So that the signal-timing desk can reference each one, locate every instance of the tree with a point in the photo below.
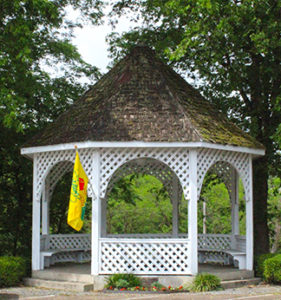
(39, 78)
(234, 47)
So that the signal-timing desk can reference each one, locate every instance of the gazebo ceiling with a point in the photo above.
(142, 99)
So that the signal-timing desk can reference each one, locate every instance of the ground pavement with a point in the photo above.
(260, 292)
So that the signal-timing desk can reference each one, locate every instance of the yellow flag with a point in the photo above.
(78, 196)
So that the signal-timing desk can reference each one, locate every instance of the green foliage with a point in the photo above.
(40, 72)
(204, 282)
(260, 260)
(145, 206)
(12, 270)
(157, 284)
(274, 213)
(231, 50)
(118, 280)
(218, 206)
(272, 269)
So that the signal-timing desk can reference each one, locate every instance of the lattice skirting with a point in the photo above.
(213, 257)
(76, 256)
(139, 257)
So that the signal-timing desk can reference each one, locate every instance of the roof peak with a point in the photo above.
(142, 99)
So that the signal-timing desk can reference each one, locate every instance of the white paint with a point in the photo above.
(35, 221)
(234, 198)
(96, 213)
(175, 202)
(192, 213)
(45, 209)
(139, 144)
(249, 222)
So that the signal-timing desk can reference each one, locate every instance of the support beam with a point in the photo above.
(45, 208)
(103, 216)
(192, 213)
(249, 220)
(96, 213)
(35, 219)
(175, 202)
(234, 198)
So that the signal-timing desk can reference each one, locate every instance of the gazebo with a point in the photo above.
(143, 117)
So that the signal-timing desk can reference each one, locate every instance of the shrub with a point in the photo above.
(260, 263)
(121, 283)
(205, 282)
(12, 270)
(157, 284)
(131, 280)
(272, 269)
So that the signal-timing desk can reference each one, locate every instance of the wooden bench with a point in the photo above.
(77, 251)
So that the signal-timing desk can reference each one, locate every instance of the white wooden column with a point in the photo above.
(45, 208)
(96, 213)
(192, 213)
(175, 202)
(249, 220)
(103, 216)
(35, 218)
(234, 198)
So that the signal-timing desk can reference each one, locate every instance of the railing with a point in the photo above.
(144, 256)
(66, 241)
(240, 241)
(214, 241)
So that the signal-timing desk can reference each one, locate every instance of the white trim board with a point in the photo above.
(138, 144)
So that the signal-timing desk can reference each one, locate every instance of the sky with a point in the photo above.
(91, 44)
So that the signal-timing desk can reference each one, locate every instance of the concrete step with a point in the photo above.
(59, 285)
(233, 274)
(62, 276)
(229, 284)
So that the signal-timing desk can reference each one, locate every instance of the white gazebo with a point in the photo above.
(142, 117)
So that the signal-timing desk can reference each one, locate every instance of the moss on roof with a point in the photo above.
(142, 99)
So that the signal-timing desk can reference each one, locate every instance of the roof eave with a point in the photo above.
(30, 151)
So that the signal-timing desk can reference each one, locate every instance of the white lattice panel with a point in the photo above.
(69, 241)
(225, 172)
(206, 158)
(144, 257)
(47, 161)
(146, 166)
(176, 158)
(214, 241)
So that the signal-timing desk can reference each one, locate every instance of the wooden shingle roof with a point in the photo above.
(142, 99)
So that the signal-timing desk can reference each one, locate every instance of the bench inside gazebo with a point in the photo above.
(142, 117)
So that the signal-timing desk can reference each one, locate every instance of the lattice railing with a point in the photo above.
(214, 241)
(67, 241)
(156, 256)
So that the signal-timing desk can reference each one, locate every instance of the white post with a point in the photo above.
(175, 202)
(45, 208)
(234, 198)
(35, 219)
(103, 216)
(192, 213)
(204, 217)
(249, 220)
(96, 213)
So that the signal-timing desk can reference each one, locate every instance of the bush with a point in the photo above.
(260, 263)
(157, 284)
(272, 269)
(129, 279)
(12, 270)
(205, 282)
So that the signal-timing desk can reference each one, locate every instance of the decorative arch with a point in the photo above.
(240, 162)
(177, 159)
(148, 166)
(46, 164)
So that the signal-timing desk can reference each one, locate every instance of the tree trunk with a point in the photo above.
(260, 192)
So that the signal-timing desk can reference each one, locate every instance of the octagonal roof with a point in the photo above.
(142, 99)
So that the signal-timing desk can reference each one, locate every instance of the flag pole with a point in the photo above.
(94, 195)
